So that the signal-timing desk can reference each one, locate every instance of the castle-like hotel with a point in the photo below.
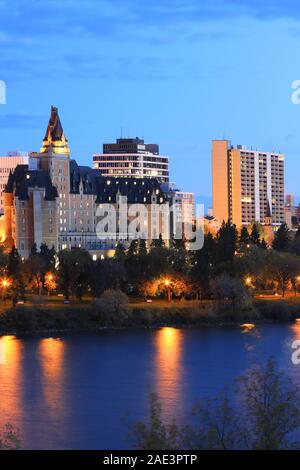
(55, 201)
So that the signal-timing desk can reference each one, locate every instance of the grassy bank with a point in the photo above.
(90, 317)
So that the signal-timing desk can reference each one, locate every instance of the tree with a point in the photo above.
(178, 256)
(263, 244)
(254, 235)
(270, 412)
(15, 273)
(200, 270)
(158, 242)
(244, 236)
(282, 268)
(75, 270)
(120, 253)
(217, 425)
(9, 438)
(179, 286)
(224, 287)
(113, 307)
(266, 417)
(156, 434)
(281, 238)
(108, 273)
(226, 242)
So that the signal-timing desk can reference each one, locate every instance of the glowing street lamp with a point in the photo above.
(50, 282)
(5, 282)
(248, 281)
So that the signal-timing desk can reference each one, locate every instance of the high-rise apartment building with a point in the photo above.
(7, 165)
(132, 158)
(245, 182)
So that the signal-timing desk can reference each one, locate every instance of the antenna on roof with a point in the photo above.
(121, 132)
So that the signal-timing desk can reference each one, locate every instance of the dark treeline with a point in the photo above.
(230, 266)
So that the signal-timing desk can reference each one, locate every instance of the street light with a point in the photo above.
(5, 283)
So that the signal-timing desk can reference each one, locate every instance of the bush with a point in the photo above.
(276, 310)
(113, 308)
(9, 438)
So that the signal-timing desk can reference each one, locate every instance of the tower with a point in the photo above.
(268, 230)
(54, 158)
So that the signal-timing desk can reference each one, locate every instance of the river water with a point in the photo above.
(82, 391)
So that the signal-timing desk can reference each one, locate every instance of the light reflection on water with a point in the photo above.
(74, 391)
(168, 361)
(51, 357)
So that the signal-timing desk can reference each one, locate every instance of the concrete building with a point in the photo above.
(244, 182)
(7, 164)
(183, 207)
(132, 158)
(54, 200)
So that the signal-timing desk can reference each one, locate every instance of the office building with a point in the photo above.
(132, 158)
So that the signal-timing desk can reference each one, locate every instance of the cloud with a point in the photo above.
(130, 19)
(55, 39)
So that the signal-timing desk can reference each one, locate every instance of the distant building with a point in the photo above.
(291, 212)
(244, 182)
(290, 201)
(7, 164)
(132, 158)
(211, 224)
(183, 207)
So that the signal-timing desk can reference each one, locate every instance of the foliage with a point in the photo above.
(281, 240)
(225, 287)
(156, 434)
(74, 271)
(9, 438)
(266, 417)
(113, 308)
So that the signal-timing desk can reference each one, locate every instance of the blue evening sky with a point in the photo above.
(176, 72)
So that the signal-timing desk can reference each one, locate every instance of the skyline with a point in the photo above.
(157, 71)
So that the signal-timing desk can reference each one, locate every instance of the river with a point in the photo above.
(82, 391)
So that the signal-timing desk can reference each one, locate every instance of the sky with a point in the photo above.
(174, 72)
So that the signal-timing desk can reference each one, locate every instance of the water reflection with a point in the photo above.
(51, 357)
(168, 363)
(296, 329)
(11, 380)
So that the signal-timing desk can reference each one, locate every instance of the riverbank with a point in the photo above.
(89, 317)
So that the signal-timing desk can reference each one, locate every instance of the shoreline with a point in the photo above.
(260, 322)
(44, 319)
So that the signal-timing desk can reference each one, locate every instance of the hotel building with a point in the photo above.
(132, 158)
(54, 200)
(245, 183)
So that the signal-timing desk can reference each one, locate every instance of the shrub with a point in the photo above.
(9, 438)
(113, 308)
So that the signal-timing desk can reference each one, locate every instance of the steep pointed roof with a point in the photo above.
(55, 137)
(268, 210)
(54, 130)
